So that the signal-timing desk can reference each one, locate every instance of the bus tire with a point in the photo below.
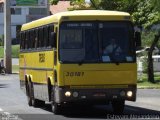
(118, 106)
(28, 92)
(49, 90)
(38, 103)
(56, 108)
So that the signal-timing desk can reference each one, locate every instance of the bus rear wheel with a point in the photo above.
(118, 106)
(28, 92)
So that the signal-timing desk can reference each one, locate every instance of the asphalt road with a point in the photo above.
(13, 105)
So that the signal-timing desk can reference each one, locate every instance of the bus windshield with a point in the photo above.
(96, 42)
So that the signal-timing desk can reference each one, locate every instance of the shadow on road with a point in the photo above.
(106, 112)
(3, 85)
(103, 112)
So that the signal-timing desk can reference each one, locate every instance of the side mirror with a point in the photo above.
(138, 39)
(53, 40)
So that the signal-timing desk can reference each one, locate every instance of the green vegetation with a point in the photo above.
(15, 69)
(27, 2)
(1, 40)
(15, 51)
(144, 83)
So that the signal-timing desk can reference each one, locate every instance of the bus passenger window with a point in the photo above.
(45, 36)
(36, 39)
(22, 40)
(32, 38)
(26, 39)
(39, 38)
(29, 39)
(42, 37)
(50, 31)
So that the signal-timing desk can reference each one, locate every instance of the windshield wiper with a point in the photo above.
(112, 57)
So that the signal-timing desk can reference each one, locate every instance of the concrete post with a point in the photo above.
(7, 37)
(48, 8)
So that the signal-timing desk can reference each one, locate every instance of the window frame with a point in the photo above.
(43, 35)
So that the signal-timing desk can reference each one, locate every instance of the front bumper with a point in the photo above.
(94, 94)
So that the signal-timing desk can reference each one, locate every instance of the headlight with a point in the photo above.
(129, 93)
(67, 93)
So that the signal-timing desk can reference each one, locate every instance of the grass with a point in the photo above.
(144, 83)
(15, 54)
(15, 68)
(15, 51)
(27, 2)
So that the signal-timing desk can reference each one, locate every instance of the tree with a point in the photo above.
(146, 15)
(150, 59)
(156, 4)
(53, 2)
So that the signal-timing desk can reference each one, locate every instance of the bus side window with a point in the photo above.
(51, 29)
(26, 37)
(47, 36)
(45, 29)
(32, 37)
(21, 40)
(29, 39)
(36, 39)
(41, 37)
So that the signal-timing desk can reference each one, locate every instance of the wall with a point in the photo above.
(21, 15)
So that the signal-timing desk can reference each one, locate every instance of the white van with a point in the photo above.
(156, 63)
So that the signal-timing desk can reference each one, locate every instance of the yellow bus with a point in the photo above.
(62, 59)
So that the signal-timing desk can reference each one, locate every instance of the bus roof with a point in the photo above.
(78, 15)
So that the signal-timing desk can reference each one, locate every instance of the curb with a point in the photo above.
(147, 87)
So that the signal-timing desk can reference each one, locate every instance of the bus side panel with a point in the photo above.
(39, 67)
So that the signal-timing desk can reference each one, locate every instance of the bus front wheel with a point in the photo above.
(118, 106)
(56, 108)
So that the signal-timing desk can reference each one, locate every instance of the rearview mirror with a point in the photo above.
(138, 39)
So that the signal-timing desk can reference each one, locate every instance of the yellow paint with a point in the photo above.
(98, 74)
(31, 61)
(82, 15)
